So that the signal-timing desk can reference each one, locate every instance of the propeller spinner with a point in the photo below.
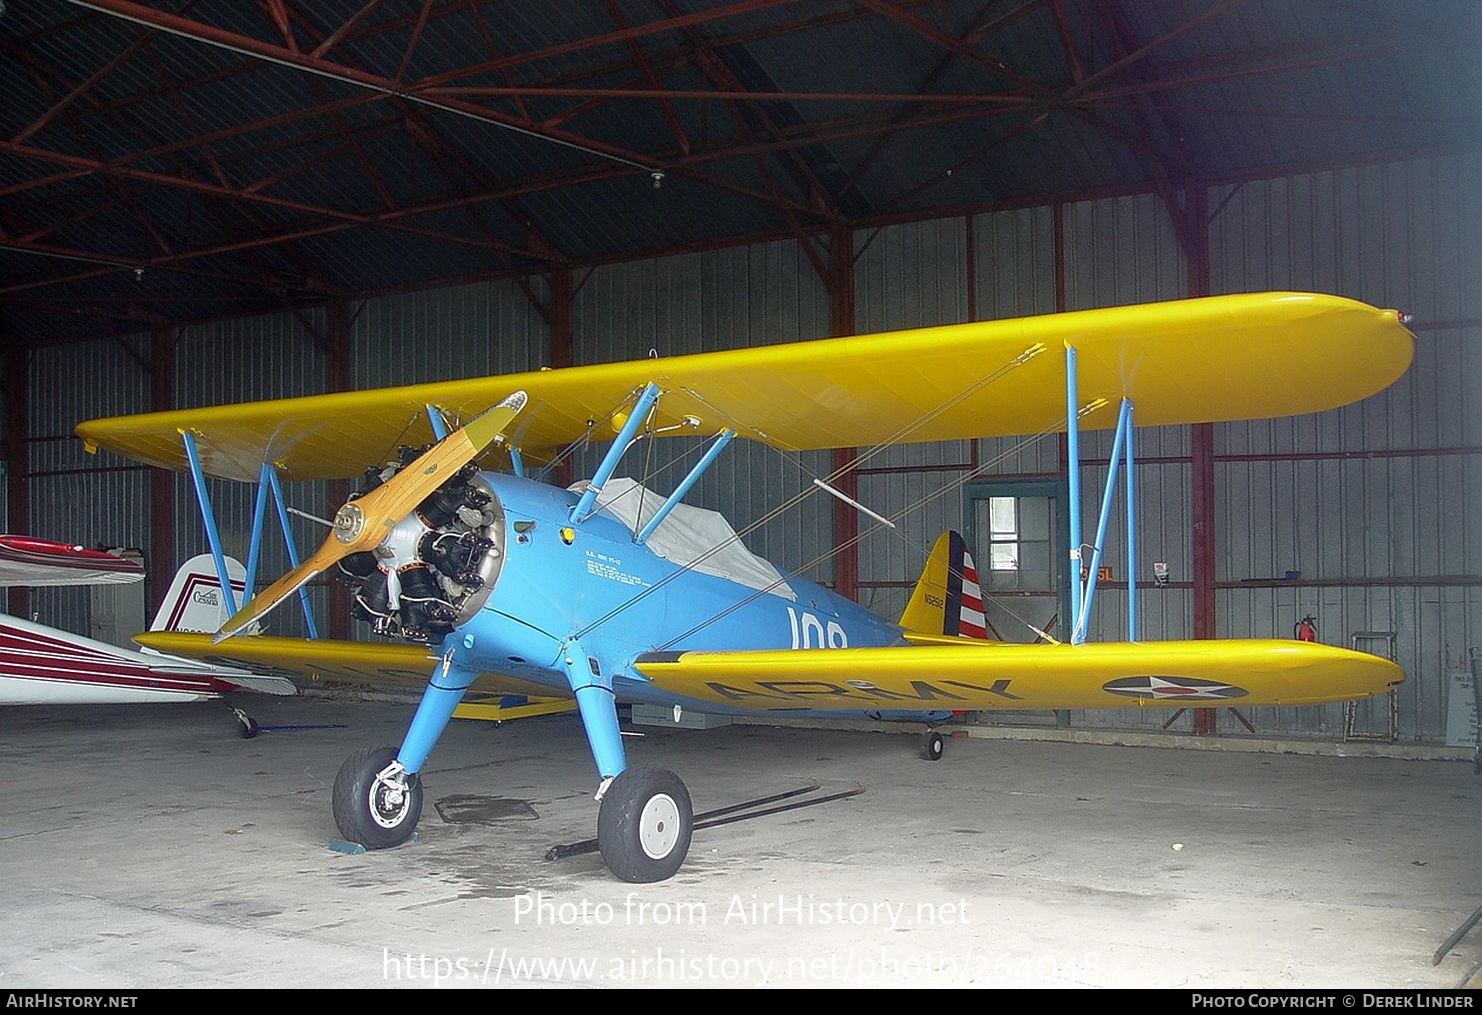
(364, 523)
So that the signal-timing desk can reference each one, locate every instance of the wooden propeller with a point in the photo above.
(362, 524)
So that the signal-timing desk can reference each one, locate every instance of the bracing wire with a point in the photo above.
(894, 438)
(915, 505)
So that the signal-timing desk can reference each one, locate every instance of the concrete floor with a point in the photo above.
(150, 846)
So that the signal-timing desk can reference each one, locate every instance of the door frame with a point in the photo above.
(1055, 488)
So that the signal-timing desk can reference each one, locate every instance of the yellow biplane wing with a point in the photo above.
(1190, 361)
(973, 675)
(384, 664)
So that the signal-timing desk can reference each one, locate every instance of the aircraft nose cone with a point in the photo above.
(348, 522)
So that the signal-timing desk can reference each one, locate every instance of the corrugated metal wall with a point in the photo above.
(439, 334)
(912, 275)
(1395, 536)
(1392, 530)
(67, 502)
(238, 360)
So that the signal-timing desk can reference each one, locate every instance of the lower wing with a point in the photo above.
(341, 662)
(973, 674)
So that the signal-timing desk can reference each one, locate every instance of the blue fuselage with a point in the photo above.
(619, 599)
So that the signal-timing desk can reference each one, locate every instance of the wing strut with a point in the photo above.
(1083, 589)
(208, 518)
(636, 418)
(711, 454)
(268, 486)
(290, 547)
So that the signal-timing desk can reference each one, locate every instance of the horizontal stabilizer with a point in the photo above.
(36, 562)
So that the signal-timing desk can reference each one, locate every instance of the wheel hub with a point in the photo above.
(658, 826)
(390, 797)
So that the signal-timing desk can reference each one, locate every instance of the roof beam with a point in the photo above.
(715, 69)
(346, 34)
(636, 52)
(595, 41)
(1306, 56)
(976, 32)
(220, 38)
(210, 137)
(953, 44)
(961, 164)
(333, 38)
(1142, 51)
(111, 263)
(441, 149)
(40, 69)
(387, 220)
(77, 93)
(1181, 211)
(406, 59)
(1067, 41)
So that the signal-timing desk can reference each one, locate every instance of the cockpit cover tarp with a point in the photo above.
(689, 534)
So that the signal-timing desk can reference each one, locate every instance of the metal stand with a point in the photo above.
(1456, 936)
(1476, 657)
(1471, 921)
(1359, 643)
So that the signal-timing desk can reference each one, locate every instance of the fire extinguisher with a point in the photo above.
(1305, 629)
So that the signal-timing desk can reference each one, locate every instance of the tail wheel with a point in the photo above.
(249, 727)
(932, 746)
(644, 825)
(373, 806)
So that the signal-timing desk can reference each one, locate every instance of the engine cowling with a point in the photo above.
(436, 568)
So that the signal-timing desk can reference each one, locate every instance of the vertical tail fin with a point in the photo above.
(194, 602)
(947, 599)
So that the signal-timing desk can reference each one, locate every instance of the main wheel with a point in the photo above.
(377, 813)
(932, 746)
(644, 825)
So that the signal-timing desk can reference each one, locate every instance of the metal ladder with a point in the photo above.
(1360, 643)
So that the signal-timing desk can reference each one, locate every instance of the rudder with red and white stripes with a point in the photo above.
(971, 621)
(947, 598)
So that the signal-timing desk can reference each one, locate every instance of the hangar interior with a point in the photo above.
(226, 203)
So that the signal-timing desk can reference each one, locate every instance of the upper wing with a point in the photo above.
(995, 675)
(1219, 358)
(35, 562)
(346, 662)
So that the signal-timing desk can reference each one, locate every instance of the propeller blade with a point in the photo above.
(363, 523)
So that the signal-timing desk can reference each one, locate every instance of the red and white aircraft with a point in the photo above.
(41, 665)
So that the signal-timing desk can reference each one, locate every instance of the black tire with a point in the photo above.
(644, 825)
(932, 746)
(362, 810)
(249, 726)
